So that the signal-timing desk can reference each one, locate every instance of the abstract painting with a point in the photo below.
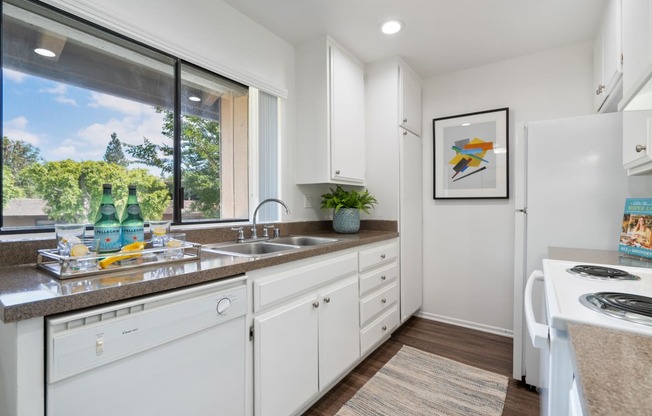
(471, 155)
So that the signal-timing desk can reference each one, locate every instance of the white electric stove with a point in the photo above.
(565, 289)
(575, 293)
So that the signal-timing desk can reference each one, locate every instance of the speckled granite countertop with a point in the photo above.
(614, 370)
(27, 292)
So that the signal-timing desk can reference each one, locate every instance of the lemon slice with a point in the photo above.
(174, 243)
(159, 231)
(79, 250)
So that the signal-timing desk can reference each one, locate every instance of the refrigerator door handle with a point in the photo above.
(538, 332)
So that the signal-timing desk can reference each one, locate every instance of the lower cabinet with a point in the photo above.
(302, 346)
(314, 319)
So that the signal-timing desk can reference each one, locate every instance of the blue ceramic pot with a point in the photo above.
(346, 221)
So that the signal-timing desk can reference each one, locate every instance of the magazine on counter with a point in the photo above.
(636, 232)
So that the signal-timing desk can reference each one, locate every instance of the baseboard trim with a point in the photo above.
(466, 324)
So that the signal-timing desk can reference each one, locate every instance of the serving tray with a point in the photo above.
(66, 267)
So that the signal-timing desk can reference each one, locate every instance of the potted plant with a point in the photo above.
(347, 206)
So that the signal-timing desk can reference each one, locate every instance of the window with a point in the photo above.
(82, 107)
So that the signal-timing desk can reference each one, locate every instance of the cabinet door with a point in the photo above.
(607, 54)
(410, 225)
(636, 141)
(636, 41)
(286, 357)
(339, 332)
(409, 101)
(347, 131)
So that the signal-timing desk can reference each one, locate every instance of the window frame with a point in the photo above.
(177, 192)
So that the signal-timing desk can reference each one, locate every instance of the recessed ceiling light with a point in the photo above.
(45, 52)
(195, 99)
(391, 27)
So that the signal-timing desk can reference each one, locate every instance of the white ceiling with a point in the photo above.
(440, 35)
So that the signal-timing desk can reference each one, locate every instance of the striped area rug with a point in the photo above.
(414, 382)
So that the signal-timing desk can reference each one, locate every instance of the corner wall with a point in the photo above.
(469, 244)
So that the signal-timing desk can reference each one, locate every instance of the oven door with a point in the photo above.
(556, 365)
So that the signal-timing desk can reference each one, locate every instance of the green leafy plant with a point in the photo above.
(340, 198)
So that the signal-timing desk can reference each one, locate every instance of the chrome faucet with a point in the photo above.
(254, 233)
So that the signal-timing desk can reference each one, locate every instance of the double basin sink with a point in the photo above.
(267, 248)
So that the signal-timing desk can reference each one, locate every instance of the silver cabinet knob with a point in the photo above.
(600, 89)
(383, 300)
(404, 133)
(382, 256)
(640, 148)
(383, 277)
(327, 299)
(337, 172)
(384, 328)
(315, 304)
(405, 120)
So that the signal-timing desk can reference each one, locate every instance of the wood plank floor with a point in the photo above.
(479, 349)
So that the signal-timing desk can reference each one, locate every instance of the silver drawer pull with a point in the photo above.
(384, 328)
(640, 148)
(382, 256)
(327, 299)
(383, 300)
(316, 304)
(383, 277)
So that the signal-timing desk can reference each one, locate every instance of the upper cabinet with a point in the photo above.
(608, 60)
(637, 70)
(409, 100)
(637, 44)
(330, 115)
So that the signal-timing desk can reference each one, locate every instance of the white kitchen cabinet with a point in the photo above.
(637, 149)
(409, 95)
(395, 176)
(303, 341)
(636, 44)
(330, 143)
(607, 59)
(379, 294)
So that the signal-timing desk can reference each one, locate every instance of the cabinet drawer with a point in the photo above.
(374, 279)
(378, 330)
(375, 303)
(279, 286)
(376, 256)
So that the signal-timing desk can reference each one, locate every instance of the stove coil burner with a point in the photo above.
(601, 272)
(627, 306)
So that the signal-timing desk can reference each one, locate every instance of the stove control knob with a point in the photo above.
(223, 305)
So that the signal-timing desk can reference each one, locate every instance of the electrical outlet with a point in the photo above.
(307, 201)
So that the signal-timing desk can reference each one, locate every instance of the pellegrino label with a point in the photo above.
(108, 210)
(109, 238)
(132, 234)
(133, 209)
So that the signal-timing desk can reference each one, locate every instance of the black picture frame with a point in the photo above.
(471, 155)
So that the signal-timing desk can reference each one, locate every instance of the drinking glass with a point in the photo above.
(69, 236)
(160, 232)
(175, 244)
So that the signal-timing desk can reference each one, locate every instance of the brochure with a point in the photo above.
(636, 232)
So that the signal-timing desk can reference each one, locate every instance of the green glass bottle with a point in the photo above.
(132, 223)
(107, 224)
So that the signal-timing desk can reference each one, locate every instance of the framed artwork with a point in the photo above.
(471, 155)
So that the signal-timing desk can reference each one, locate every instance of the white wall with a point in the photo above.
(469, 244)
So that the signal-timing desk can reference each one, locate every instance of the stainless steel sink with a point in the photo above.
(303, 240)
(267, 248)
(255, 249)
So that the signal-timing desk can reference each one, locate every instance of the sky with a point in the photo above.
(67, 122)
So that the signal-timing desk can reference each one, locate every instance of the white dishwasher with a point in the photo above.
(177, 353)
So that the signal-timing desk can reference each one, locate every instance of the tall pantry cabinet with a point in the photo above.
(394, 166)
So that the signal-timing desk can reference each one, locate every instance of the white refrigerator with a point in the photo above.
(570, 190)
